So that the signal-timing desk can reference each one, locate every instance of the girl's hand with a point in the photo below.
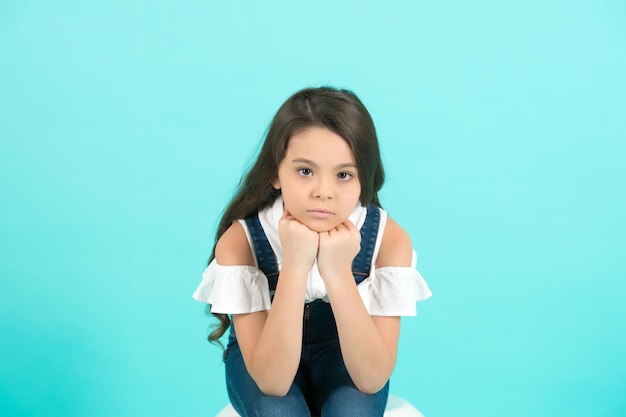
(337, 249)
(300, 244)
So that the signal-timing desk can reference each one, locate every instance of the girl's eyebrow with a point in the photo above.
(313, 164)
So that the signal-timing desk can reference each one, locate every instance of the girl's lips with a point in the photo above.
(320, 213)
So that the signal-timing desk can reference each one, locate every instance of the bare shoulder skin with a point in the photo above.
(396, 248)
(233, 247)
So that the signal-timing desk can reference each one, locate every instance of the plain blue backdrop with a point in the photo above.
(125, 126)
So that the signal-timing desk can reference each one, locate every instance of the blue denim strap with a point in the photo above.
(363, 261)
(263, 250)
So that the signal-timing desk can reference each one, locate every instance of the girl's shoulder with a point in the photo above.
(396, 248)
(233, 248)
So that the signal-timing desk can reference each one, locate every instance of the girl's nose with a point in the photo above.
(323, 189)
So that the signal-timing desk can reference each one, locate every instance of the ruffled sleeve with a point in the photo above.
(393, 291)
(233, 289)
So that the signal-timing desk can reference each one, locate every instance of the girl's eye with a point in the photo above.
(344, 176)
(305, 171)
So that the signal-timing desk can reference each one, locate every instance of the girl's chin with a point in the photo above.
(320, 229)
(319, 226)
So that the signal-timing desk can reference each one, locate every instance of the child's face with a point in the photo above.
(318, 179)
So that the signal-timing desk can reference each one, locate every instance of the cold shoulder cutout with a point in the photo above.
(396, 248)
(233, 248)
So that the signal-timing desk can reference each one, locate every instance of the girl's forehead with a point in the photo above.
(319, 143)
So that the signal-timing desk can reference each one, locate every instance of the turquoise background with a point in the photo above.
(126, 125)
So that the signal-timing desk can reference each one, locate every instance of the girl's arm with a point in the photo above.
(368, 343)
(270, 341)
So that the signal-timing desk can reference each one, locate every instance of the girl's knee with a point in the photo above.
(349, 401)
(268, 406)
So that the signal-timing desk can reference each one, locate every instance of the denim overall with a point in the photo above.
(322, 385)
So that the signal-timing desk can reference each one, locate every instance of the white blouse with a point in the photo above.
(388, 291)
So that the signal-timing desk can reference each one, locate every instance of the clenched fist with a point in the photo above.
(300, 244)
(337, 249)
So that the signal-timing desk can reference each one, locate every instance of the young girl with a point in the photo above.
(313, 272)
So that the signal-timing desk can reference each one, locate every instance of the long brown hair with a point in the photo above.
(338, 110)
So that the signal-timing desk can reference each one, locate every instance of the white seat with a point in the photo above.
(396, 407)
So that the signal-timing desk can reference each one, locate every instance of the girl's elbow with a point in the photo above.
(372, 382)
(272, 387)
(273, 390)
(274, 381)
(370, 387)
